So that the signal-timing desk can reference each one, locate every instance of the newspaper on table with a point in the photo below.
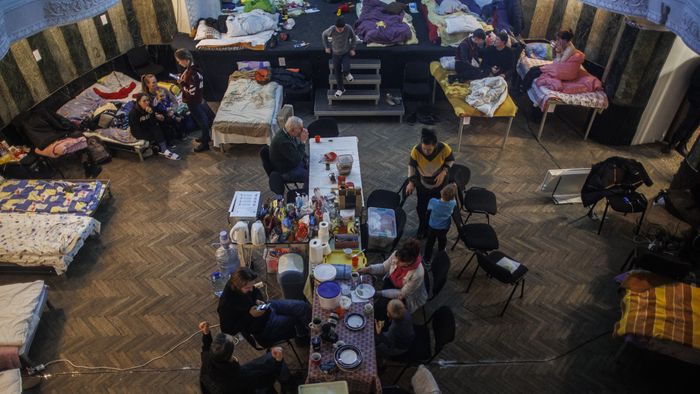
(509, 264)
(244, 204)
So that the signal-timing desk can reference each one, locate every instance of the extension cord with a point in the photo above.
(33, 370)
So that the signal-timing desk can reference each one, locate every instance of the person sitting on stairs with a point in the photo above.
(341, 47)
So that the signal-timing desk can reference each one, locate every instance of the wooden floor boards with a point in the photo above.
(143, 286)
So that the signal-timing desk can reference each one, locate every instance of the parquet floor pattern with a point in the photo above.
(143, 286)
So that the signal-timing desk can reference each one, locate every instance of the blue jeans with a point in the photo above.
(200, 117)
(286, 316)
(341, 68)
(299, 174)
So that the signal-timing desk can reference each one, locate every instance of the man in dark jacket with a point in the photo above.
(685, 130)
(467, 63)
(498, 58)
(222, 374)
(288, 151)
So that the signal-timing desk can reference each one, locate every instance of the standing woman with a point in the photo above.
(428, 167)
(143, 123)
(192, 83)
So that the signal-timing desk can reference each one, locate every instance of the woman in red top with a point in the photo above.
(192, 84)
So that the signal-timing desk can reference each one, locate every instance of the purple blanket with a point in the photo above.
(376, 26)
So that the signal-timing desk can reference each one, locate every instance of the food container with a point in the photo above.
(344, 164)
(381, 228)
(328, 295)
(324, 273)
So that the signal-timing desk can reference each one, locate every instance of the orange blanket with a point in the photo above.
(670, 312)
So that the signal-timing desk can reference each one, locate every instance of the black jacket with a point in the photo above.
(234, 312)
(42, 128)
(140, 121)
(230, 377)
(614, 175)
(286, 152)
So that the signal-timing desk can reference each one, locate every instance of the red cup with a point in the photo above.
(317, 138)
(316, 358)
(355, 262)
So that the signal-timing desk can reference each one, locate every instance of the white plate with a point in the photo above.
(348, 357)
(324, 272)
(356, 321)
(365, 291)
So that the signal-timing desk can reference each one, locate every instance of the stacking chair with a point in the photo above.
(493, 270)
(438, 273)
(381, 198)
(257, 345)
(630, 202)
(443, 322)
(479, 200)
(324, 127)
(265, 159)
(277, 184)
(460, 175)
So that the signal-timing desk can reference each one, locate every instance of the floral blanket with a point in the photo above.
(39, 196)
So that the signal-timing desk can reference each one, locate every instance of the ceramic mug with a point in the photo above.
(314, 328)
(316, 358)
(368, 308)
(338, 344)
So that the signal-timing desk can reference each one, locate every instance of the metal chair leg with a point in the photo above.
(466, 265)
(639, 225)
(509, 298)
(605, 213)
(522, 288)
(472, 280)
(467, 219)
(488, 219)
(628, 259)
(291, 345)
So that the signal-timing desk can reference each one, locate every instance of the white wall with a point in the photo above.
(188, 11)
(668, 94)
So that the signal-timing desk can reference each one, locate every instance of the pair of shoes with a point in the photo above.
(170, 155)
(390, 100)
(148, 152)
(349, 77)
(411, 119)
(201, 147)
(339, 92)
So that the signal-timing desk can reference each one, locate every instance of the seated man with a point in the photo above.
(238, 312)
(498, 59)
(467, 58)
(395, 339)
(221, 372)
(288, 151)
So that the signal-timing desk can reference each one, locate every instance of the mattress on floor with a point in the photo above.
(50, 196)
(18, 303)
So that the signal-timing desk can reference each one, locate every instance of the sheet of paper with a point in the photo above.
(510, 265)
(245, 204)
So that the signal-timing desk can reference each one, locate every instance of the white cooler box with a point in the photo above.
(381, 228)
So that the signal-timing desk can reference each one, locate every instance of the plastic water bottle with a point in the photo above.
(217, 283)
(226, 256)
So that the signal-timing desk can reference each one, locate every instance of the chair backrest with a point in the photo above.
(402, 192)
(460, 175)
(265, 159)
(325, 127)
(400, 224)
(138, 57)
(492, 269)
(439, 268)
(292, 285)
(276, 183)
(443, 328)
(457, 218)
(383, 199)
(416, 72)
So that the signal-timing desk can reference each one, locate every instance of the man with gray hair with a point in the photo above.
(288, 151)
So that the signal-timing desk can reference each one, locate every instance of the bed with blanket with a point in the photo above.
(248, 111)
(11, 381)
(22, 305)
(384, 24)
(116, 88)
(248, 30)
(43, 240)
(562, 84)
(51, 196)
(450, 29)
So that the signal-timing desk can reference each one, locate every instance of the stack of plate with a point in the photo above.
(355, 321)
(348, 358)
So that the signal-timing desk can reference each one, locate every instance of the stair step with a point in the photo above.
(361, 64)
(359, 79)
(356, 95)
(357, 108)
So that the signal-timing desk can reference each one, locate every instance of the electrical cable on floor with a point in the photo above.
(551, 156)
(451, 363)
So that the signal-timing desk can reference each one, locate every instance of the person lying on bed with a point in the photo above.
(192, 83)
(562, 47)
(143, 123)
(341, 47)
(163, 102)
(467, 62)
(498, 59)
(288, 151)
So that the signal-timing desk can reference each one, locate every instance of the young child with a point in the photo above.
(440, 216)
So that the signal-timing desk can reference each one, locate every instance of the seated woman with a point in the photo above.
(143, 123)
(164, 103)
(562, 47)
(404, 279)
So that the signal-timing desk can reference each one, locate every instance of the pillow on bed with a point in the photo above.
(447, 62)
(565, 71)
(205, 32)
(249, 65)
(394, 8)
(539, 50)
(461, 24)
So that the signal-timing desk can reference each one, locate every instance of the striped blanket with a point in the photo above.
(670, 312)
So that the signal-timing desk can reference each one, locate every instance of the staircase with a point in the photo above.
(363, 95)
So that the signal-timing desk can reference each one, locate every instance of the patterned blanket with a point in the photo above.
(670, 312)
(39, 196)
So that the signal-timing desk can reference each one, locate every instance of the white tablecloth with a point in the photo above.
(319, 176)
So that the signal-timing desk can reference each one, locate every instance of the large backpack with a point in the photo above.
(97, 151)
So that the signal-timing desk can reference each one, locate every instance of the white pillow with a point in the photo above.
(447, 62)
(206, 32)
(461, 24)
(450, 6)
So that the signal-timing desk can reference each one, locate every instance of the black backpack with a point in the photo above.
(97, 152)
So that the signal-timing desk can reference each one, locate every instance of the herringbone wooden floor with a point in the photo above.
(143, 286)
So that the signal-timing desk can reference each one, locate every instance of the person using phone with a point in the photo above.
(192, 83)
(222, 373)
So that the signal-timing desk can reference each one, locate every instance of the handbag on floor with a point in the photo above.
(97, 152)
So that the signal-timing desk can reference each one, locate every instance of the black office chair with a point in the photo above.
(630, 202)
(258, 345)
(477, 237)
(443, 322)
(489, 264)
(275, 181)
(460, 175)
(438, 273)
(141, 62)
(324, 127)
(479, 200)
(416, 81)
(265, 159)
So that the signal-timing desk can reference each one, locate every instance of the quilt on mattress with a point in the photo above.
(30, 239)
(17, 303)
(437, 26)
(541, 97)
(41, 196)
(375, 26)
(11, 381)
(247, 107)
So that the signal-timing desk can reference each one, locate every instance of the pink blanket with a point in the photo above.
(583, 83)
(9, 358)
(567, 70)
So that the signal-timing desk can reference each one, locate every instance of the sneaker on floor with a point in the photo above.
(339, 92)
(148, 152)
(349, 77)
(170, 155)
(397, 99)
(201, 147)
(390, 100)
